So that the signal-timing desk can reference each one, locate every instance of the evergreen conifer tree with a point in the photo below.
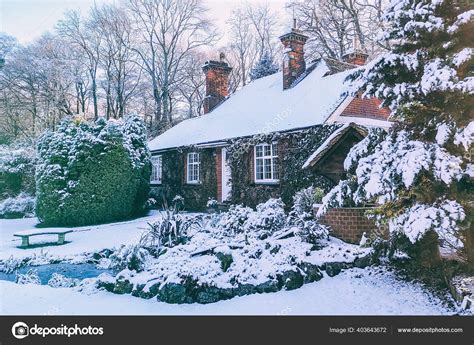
(421, 174)
(264, 67)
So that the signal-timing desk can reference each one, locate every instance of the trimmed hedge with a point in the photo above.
(92, 173)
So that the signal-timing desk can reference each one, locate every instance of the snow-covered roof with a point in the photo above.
(262, 106)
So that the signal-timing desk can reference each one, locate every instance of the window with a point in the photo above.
(266, 163)
(193, 167)
(156, 169)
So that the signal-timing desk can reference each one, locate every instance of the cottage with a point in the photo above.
(253, 144)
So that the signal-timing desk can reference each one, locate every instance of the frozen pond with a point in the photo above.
(80, 271)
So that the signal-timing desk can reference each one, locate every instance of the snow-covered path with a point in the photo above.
(371, 291)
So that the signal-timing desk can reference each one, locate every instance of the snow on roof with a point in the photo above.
(262, 106)
(366, 122)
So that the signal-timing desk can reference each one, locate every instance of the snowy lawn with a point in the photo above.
(87, 239)
(354, 291)
(370, 291)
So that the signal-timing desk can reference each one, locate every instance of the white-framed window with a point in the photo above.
(193, 165)
(266, 163)
(156, 169)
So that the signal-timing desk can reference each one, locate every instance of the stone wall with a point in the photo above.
(349, 223)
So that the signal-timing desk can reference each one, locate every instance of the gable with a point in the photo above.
(366, 108)
(328, 159)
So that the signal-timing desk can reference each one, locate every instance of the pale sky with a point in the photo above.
(28, 19)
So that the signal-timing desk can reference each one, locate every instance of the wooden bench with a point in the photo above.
(25, 235)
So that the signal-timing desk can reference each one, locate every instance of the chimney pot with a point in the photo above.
(356, 56)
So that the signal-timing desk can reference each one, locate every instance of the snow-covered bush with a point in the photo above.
(304, 199)
(59, 281)
(269, 217)
(178, 202)
(30, 277)
(232, 221)
(11, 264)
(308, 229)
(171, 228)
(20, 206)
(150, 203)
(212, 204)
(92, 173)
(17, 170)
(132, 257)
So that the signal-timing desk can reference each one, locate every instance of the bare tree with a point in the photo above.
(121, 75)
(168, 31)
(37, 86)
(191, 88)
(252, 31)
(333, 25)
(81, 33)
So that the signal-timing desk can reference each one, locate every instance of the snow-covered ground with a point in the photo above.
(371, 291)
(356, 291)
(85, 239)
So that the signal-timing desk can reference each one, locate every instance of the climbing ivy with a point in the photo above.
(294, 150)
(174, 179)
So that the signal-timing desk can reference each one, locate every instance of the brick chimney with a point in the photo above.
(356, 56)
(293, 59)
(217, 82)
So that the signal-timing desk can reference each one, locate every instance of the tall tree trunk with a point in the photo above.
(94, 96)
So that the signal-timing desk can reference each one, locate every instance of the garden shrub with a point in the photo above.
(170, 229)
(20, 206)
(232, 221)
(304, 199)
(17, 170)
(91, 173)
(30, 277)
(132, 257)
(57, 280)
(268, 218)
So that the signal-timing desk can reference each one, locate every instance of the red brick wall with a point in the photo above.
(349, 223)
(367, 108)
(219, 174)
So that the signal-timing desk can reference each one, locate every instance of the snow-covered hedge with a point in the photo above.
(20, 206)
(90, 173)
(17, 170)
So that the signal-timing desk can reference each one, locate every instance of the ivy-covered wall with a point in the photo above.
(174, 179)
(294, 149)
